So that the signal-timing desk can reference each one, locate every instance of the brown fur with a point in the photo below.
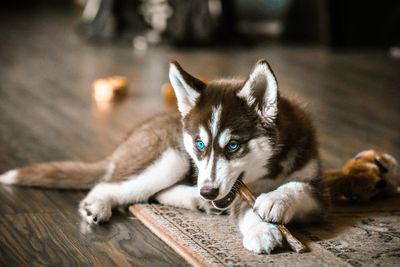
(295, 132)
(360, 178)
(62, 175)
(159, 132)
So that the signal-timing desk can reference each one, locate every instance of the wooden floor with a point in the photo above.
(46, 113)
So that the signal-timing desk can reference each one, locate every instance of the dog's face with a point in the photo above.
(228, 126)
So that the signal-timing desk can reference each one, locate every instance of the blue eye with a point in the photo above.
(232, 146)
(200, 145)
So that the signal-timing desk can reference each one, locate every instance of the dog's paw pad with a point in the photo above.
(262, 238)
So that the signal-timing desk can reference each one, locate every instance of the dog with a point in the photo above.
(225, 130)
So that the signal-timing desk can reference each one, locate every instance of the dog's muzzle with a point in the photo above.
(226, 201)
(209, 192)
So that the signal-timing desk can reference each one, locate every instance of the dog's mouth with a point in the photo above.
(227, 200)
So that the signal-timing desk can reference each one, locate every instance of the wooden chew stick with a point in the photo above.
(293, 242)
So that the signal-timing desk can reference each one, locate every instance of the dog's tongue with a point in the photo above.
(225, 202)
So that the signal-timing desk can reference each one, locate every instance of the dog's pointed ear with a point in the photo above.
(261, 91)
(187, 88)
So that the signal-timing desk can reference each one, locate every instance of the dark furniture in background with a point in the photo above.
(332, 23)
(344, 24)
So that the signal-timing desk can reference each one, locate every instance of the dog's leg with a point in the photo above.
(170, 168)
(187, 197)
(181, 196)
(291, 201)
(258, 236)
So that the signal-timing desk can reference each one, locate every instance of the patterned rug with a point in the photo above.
(354, 236)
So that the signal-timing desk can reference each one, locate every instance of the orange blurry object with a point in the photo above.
(109, 88)
(169, 94)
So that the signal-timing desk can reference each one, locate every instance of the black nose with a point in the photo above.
(208, 192)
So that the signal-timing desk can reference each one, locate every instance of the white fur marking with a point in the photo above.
(159, 175)
(224, 138)
(205, 167)
(181, 196)
(254, 162)
(9, 177)
(210, 163)
(215, 119)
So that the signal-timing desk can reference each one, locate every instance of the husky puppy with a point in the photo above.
(226, 130)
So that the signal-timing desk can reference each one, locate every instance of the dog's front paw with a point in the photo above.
(275, 206)
(262, 238)
(95, 211)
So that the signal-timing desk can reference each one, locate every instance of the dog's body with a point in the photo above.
(226, 130)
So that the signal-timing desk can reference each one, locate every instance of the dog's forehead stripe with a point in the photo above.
(215, 120)
(211, 166)
(224, 138)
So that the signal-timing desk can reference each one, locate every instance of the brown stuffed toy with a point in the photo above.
(369, 174)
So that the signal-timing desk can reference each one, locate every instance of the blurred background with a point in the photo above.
(332, 23)
(335, 24)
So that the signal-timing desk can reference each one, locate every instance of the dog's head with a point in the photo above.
(228, 126)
